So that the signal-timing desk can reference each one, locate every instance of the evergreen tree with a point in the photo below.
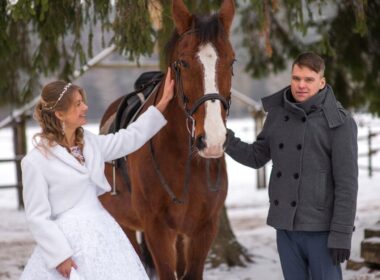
(44, 38)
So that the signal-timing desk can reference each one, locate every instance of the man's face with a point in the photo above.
(305, 83)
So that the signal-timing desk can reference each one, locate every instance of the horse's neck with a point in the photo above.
(175, 133)
(176, 118)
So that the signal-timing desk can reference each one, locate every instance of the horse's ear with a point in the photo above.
(181, 15)
(226, 13)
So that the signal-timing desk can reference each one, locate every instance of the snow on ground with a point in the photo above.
(247, 210)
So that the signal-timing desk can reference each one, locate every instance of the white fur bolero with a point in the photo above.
(54, 181)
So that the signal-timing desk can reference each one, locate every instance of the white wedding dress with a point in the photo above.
(102, 251)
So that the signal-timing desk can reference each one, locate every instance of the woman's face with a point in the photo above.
(76, 115)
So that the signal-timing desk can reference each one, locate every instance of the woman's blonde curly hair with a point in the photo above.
(55, 96)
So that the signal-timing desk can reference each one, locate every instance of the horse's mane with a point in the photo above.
(208, 29)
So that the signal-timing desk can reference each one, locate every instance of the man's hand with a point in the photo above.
(64, 268)
(339, 255)
(168, 92)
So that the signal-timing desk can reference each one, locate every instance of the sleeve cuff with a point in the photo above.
(342, 228)
(341, 240)
(157, 114)
(54, 262)
(230, 137)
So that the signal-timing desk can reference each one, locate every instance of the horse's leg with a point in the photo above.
(146, 258)
(197, 248)
(181, 262)
(161, 243)
(131, 234)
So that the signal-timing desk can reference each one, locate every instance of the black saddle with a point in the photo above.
(128, 109)
(132, 102)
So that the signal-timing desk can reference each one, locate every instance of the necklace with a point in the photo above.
(77, 153)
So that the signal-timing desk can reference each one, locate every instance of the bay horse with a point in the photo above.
(178, 180)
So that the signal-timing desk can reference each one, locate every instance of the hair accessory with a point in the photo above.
(60, 97)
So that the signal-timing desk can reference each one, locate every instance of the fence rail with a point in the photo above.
(2, 187)
(15, 160)
(258, 115)
(370, 152)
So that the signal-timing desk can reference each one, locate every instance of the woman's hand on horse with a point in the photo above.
(64, 268)
(168, 92)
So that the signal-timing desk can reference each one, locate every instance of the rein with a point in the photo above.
(185, 189)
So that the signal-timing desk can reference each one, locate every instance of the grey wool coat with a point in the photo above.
(314, 179)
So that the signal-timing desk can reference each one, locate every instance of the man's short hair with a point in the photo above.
(311, 61)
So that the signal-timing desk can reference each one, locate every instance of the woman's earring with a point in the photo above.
(63, 128)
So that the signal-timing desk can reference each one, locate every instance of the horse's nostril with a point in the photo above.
(200, 143)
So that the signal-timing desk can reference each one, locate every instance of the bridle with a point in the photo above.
(185, 100)
(176, 66)
(189, 112)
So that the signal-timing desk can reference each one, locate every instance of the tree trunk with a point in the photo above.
(226, 249)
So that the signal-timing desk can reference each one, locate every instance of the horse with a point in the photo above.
(178, 180)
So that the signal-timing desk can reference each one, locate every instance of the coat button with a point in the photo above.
(299, 147)
(286, 118)
(296, 175)
(293, 204)
(275, 202)
(281, 145)
(303, 119)
(279, 174)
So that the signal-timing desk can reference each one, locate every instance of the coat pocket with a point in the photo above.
(320, 190)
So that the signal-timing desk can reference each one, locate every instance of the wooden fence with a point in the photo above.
(19, 144)
(371, 151)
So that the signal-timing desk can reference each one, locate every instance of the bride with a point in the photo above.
(64, 175)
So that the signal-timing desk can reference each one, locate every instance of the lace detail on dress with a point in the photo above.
(102, 250)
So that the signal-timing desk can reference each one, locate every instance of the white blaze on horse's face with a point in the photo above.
(215, 131)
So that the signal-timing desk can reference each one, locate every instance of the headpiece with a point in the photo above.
(60, 97)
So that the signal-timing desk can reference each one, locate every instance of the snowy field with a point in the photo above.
(247, 209)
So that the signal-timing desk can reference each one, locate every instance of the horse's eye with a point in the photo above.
(184, 64)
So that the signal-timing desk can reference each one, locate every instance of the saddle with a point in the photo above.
(129, 109)
(131, 104)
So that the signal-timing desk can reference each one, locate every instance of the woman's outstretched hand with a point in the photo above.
(64, 268)
(168, 92)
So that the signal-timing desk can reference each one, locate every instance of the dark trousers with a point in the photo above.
(304, 255)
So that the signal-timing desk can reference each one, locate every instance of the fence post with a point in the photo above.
(369, 152)
(19, 144)
(259, 121)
